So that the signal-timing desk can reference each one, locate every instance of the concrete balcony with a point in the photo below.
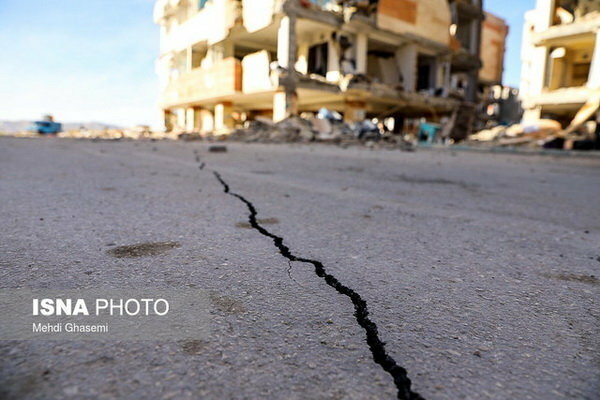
(218, 82)
(563, 99)
(562, 35)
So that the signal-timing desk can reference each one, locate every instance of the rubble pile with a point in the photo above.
(583, 132)
(544, 133)
(291, 130)
(326, 128)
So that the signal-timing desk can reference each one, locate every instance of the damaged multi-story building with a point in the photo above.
(561, 58)
(226, 61)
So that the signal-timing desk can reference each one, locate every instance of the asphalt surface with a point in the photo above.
(480, 271)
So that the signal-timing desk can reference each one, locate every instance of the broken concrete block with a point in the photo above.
(322, 126)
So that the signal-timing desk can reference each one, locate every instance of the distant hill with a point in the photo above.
(19, 126)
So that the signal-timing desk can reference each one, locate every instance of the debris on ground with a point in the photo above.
(460, 124)
(543, 133)
(326, 127)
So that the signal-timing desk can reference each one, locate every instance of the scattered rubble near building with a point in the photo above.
(560, 79)
(561, 59)
(224, 62)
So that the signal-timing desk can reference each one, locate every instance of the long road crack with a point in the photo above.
(361, 312)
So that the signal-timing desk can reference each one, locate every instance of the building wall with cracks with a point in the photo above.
(226, 61)
(561, 58)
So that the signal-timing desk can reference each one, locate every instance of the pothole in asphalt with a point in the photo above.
(265, 221)
(142, 249)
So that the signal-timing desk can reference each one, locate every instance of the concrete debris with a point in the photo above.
(584, 114)
(293, 129)
(462, 121)
(326, 127)
(533, 130)
(544, 133)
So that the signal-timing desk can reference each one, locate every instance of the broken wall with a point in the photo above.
(258, 14)
(427, 18)
(256, 72)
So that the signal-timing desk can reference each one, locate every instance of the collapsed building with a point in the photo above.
(561, 59)
(223, 62)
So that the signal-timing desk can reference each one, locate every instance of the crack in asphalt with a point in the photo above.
(198, 160)
(289, 272)
(361, 313)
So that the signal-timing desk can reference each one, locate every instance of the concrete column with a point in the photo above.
(207, 121)
(191, 123)
(475, 44)
(472, 86)
(333, 61)
(447, 76)
(473, 80)
(362, 49)
(406, 57)
(286, 42)
(302, 63)
(284, 105)
(168, 120)
(594, 77)
(440, 76)
(539, 70)
(180, 118)
(355, 111)
(285, 100)
(544, 14)
(223, 117)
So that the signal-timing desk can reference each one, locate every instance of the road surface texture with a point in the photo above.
(479, 272)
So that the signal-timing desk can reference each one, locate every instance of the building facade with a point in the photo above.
(561, 58)
(226, 61)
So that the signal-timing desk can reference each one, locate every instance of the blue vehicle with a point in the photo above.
(46, 127)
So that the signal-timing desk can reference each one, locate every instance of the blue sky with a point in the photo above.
(81, 60)
(513, 13)
(93, 60)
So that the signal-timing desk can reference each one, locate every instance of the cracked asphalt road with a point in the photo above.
(480, 270)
